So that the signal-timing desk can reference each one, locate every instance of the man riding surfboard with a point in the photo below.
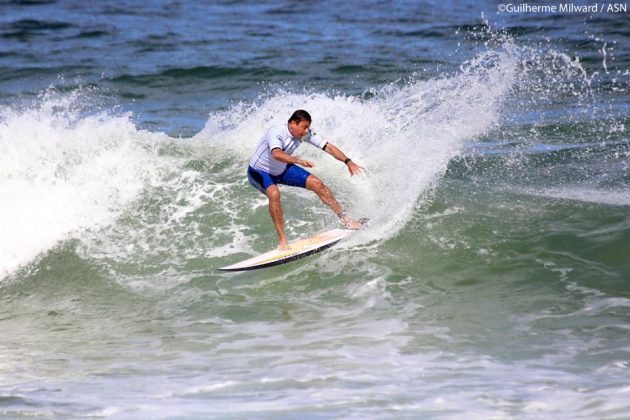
(272, 163)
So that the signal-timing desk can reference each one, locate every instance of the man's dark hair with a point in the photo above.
(299, 116)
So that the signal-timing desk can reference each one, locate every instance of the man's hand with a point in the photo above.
(305, 163)
(354, 168)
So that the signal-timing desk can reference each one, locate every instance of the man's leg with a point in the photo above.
(318, 187)
(275, 209)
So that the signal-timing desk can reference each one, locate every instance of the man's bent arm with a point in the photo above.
(282, 156)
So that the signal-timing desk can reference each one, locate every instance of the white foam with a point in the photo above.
(588, 195)
(61, 172)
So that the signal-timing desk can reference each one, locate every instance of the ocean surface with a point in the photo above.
(493, 280)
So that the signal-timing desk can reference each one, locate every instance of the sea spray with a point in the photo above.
(62, 171)
(154, 201)
(404, 136)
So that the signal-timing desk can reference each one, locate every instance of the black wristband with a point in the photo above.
(347, 160)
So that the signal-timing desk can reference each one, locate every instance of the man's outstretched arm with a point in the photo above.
(335, 152)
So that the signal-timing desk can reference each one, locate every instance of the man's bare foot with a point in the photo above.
(351, 223)
(284, 246)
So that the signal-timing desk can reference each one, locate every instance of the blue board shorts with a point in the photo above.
(293, 176)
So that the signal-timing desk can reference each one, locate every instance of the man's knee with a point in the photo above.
(273, 193)
(314, 184)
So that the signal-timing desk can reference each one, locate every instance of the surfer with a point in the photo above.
(272, 164)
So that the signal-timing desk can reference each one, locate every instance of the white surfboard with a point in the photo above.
(299, 249)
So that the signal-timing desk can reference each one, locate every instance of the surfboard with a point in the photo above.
(299, 249)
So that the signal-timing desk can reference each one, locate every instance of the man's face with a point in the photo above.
(299, 129)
